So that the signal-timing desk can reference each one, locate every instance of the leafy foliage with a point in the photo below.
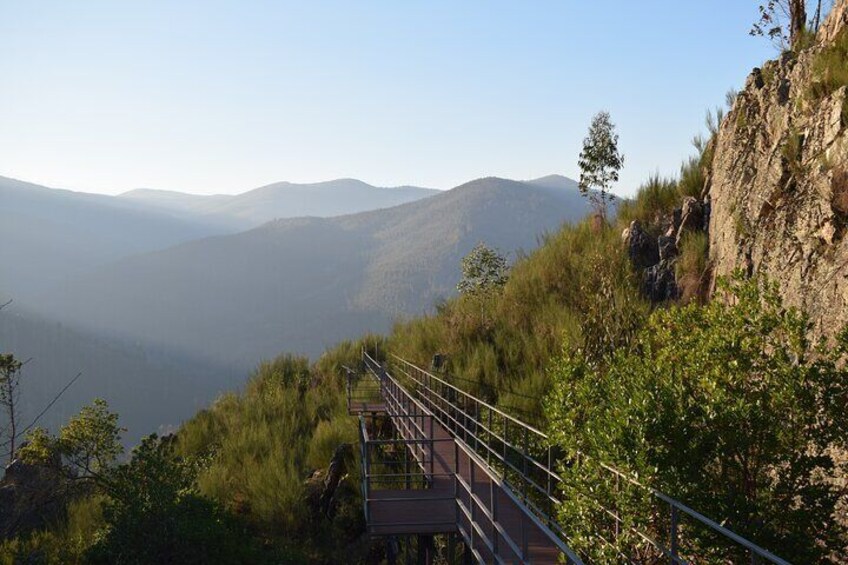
(560, 294)
(726, 407)
(483, 270)
(829, 71)
(155, 514)
(263, 443)
(10, 375)
(692, 268)
(782, 21)
(89, 444)
(600, 161)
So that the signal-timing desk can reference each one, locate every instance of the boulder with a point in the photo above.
(667, 247)
(641, 247)
(659, 284)
(692, 217)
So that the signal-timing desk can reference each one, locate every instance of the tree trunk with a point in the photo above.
(797, 20)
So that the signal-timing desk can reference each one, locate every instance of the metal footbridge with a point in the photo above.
(436, 460)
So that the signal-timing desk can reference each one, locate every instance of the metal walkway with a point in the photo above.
(436, 460)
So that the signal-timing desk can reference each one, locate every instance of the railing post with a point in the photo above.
(348, 389)
(367, 479)
(471, 500)
(493, 508)
(523, 538)
(489, 451)
(505, 439)
(525, 447)
(432, 450)
(673, 549)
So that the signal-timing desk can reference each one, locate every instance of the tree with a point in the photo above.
(155, 513)
(88, 445)
(600, 161)
(785, 21)
(483, 270)
(10, 374)
(727, 407)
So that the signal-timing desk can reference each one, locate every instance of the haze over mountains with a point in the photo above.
(279, 200)
(188, 301)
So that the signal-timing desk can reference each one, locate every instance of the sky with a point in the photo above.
(221, 97)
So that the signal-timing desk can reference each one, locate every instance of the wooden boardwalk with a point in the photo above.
(463, 496)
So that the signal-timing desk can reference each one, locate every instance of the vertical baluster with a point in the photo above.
(673, 549)
(523, 538)
(493, 508)
(526, 455)
(505, 440)
(491, 443)
(432, 450)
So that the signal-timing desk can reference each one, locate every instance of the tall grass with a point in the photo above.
(830, 71)
(692, 267)
(503, 355)
(265, 442)
(654, 199)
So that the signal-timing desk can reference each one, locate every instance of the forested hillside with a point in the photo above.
(304, 284)
(154, 390)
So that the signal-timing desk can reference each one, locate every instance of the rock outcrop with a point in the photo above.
(779, 181)
(31, 497)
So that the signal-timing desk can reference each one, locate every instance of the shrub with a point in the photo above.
(560, 293)
(692, 178)
(692, 266)
(792, 153)
(265, 441)
(726, 407)
(829, 70)
(654, 199)
(154, 514)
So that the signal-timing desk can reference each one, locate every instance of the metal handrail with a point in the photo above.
(674, 504)
(477, 463)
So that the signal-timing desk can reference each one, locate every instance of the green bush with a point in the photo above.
(654, 199)
(262, 444)
(561, 293)
(830, 71)
(154, 514)
(692, 267)
(692, 178)
(726, 407)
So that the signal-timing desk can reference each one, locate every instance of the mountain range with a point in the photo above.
(278, 200)
(173, 274)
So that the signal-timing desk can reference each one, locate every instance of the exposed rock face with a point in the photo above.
(779, 184)
(659, 283)
(692, 217)
(836, 21)
(641, 247)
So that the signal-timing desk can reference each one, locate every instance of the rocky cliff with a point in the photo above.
(778, 187)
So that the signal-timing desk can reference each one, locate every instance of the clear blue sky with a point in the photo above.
(205, 96)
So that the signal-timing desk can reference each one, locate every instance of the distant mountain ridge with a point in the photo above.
(280, 200)
(156, 303)
(51, 236)
(305, 283)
